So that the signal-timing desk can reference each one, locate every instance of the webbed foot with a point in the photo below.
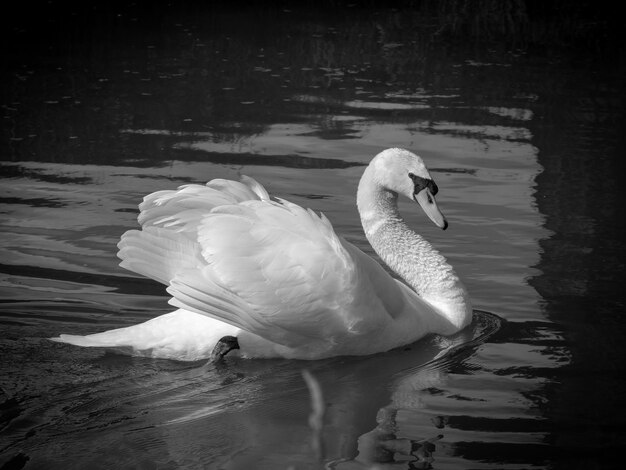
(223, 347)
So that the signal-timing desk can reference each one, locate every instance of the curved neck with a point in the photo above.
(407, 253)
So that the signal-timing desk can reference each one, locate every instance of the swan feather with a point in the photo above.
(292, 277)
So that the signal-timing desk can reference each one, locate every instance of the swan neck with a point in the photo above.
(388, 234)
(408, 254)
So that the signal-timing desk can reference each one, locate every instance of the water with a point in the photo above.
(526, 150)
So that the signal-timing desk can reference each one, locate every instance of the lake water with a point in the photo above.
(527, 150)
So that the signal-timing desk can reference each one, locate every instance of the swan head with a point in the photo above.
(403, 172)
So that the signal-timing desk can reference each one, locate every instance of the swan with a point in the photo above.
(267, 278)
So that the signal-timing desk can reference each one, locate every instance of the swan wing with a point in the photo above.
(269, 267)
(167, 243)
(281, 272)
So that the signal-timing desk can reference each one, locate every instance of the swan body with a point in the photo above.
(279, 279)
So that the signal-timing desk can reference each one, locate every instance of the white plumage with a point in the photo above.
(280, 279)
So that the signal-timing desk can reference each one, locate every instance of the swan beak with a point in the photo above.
(427, 201)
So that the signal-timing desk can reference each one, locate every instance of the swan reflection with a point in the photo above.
(386, 446)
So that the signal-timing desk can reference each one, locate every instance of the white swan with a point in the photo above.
(274, 280)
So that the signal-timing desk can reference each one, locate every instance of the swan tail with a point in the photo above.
(180, 335)
(121, 342)
(107, 339)
(77, 340)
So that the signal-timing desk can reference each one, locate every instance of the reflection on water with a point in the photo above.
(526, 151)
(382, 445)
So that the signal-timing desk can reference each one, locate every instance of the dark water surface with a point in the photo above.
(527, 150)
